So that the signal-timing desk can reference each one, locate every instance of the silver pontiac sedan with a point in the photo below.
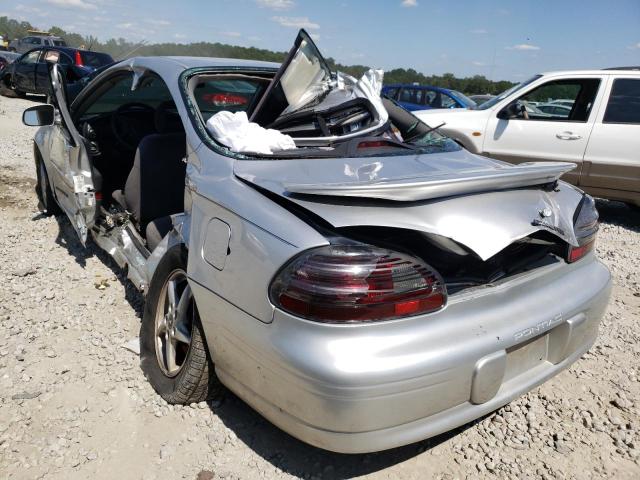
(359, 279)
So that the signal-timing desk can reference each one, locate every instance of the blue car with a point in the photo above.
(422, 97)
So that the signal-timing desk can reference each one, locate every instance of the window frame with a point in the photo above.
(601, 86)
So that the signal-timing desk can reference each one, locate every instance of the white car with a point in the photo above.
(600, 132)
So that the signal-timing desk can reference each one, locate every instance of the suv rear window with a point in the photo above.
(624, 102)
(95, 60)
(59, 43)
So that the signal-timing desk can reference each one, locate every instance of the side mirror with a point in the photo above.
(38, 116)
(513, 110)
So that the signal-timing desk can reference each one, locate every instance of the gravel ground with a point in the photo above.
(74, 402)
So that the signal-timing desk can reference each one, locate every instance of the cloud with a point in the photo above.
(478, 31)
(158, 23)
(125, 26)
(31, 10)
(277, 4)
(231, 34)
(523, 47)
(81, 4)
(634, 47)
(315, 36)
(409, 3)
(479, 64)
(179, 36)
(296, 22)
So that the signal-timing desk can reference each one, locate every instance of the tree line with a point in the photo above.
(120, 48)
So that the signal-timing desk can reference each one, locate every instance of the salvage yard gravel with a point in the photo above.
(74, 403)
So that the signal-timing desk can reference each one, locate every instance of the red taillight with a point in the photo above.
(357, 283)
(585, 227)
(375, 144)
(576, 253)
(225, 99)
(79, 61)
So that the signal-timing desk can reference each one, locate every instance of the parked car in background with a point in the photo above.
(567, 102)
(6, 58)
(4, 44)
(480, 99)
(30, 72)
(366, 286)
(559, 110)
(600, 133)
(43, 39)
(420, 97)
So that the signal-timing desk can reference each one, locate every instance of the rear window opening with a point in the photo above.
(346, 128)
(459, 267)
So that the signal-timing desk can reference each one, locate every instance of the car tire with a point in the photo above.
(5, 88)
(47, 203)
(180, 372)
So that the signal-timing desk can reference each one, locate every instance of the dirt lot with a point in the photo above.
(74, 403)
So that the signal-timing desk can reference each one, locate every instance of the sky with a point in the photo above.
(501, 39)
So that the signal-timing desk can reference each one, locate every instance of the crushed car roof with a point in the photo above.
(180, 64)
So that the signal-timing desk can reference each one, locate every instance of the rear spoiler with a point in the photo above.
(411, 189)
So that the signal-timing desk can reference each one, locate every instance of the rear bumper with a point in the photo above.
(371, 387)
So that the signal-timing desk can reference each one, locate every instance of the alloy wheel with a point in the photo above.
(174, 323)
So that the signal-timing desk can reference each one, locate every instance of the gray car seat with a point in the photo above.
(154, 189)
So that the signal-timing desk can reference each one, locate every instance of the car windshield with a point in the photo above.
(466, 100)
(506, 93)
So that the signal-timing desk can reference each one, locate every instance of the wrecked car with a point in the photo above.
(363, 282)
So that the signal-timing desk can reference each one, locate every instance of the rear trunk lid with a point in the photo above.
(481, 203)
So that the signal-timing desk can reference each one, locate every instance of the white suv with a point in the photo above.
(599, 131)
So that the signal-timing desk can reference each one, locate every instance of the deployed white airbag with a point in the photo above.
(235, 131)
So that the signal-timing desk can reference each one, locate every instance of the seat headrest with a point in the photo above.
(167, 118)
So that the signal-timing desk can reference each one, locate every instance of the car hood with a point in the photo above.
(436, 116)
(481, 203)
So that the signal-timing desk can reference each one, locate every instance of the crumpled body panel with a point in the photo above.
(485, 222)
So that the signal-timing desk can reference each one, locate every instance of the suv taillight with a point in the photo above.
(357, 283)
(585, 226)
(225, 99)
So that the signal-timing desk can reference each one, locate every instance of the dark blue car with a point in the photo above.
(422, 97)
(29, 73)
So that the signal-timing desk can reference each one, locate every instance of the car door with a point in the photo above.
(533, 135)
(612, 158)
(72, 179)
(25, 70)
(42, 81)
